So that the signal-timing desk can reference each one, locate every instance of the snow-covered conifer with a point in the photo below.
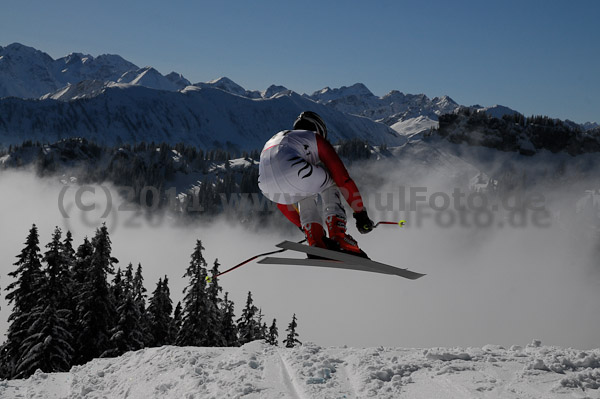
(159, 312)
(291, 340)
(273, 335)
(193, 326)
(23, 296)
(139, 296)
(175, 324)
(228, 328)
(118, 288)
(214, 334)
(261, 327)
(247, 324)
(95, 309)
(127, 335)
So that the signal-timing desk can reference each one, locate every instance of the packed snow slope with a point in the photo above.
(258, 370)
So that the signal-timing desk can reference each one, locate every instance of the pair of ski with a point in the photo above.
(337, 260)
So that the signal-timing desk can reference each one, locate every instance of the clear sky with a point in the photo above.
(539, 57)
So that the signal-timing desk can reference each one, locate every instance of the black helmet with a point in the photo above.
(309, 120)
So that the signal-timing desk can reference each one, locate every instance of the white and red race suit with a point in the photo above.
(297, 166)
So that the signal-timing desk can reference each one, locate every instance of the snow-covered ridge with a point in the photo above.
(496, 111)
(206, 117)
(408, 114)
(258, 370)
(29, 73)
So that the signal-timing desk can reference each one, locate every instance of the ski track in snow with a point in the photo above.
(289, 379)
(257, 370)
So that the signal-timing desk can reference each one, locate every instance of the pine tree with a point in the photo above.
(159, 312)
(228, 327)
(139, 296)
(48, 342)
(128, 276)
(79, 271)
(69, 258)
(167, 303)
(261, 327)
(247, 325)
(94, 303)
(83, 258)
(47, 346)
(264, 331)
(23, 296)
(67, 250)
(291, 339)
(118, 288)
(175, 324)
(214, 334)
(273, 336)
(193, 327)
(28, 275)
(139, 292)
(127, 335)
(58, 273)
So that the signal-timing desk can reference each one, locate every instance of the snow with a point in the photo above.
(590, 125)
(273, 90)
(227, 85)
(414, 127)
(258, 370)
(327, 94)
(83, 89)
(207, 117)
(30, 73)
(497, 111)
(151, 78)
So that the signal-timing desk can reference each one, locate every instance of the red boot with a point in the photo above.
(337, 232)
(314, 235)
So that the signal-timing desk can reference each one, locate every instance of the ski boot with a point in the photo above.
(315, 237)
(342, 242)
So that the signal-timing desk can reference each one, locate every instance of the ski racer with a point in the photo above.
(299, 166)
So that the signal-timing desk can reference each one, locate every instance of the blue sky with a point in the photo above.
(539, 57)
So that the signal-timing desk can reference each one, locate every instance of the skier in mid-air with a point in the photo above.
(296, 168)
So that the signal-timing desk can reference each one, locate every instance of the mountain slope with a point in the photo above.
(408, 114)
(150, 77)
(208, 118)
(257, 370)
(100, 114)
(29, 73)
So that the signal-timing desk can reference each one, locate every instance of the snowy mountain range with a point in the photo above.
(390, 109)
(110, 100)
(29, 73)
(205, 117)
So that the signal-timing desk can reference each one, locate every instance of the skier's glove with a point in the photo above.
(363, 223)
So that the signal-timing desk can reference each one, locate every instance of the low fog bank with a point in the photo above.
(484, 284)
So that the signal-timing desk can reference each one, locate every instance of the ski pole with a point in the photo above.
(401, 223)
(209, 278)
